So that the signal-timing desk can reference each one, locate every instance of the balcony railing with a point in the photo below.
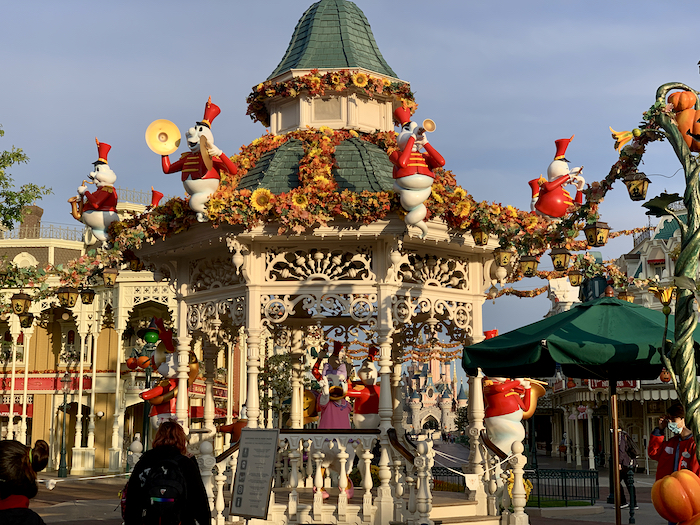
(45, 231)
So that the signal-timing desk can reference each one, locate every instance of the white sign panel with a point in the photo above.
(255, 471)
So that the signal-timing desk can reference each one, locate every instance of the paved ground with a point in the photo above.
(96, 502)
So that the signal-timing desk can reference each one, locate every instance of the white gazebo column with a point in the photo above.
(297, 351)
(210, 352)
(476, 465)
(591, 453)
(384, 500)
(396, 396)
(91, 422)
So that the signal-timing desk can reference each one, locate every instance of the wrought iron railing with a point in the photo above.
(562, 485)
(45, 231)
(641, 237)
(446, 480)
(137, 196)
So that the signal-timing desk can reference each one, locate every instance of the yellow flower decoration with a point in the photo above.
(386, 82)
(360, 79)
(665, 295)
(300, 201)
(460, 193)
(261, 199)
(215, 205)
(354, 133)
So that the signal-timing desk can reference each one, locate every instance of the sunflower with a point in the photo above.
(300, 201)
(460, 193)
(360, 79)
(216, 205)
(335, 79)
(261, 199)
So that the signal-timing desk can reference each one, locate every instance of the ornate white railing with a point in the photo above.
(301, 480)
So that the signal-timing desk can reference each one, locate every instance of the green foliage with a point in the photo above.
(13, 201)
(462, 420)
(275, 383)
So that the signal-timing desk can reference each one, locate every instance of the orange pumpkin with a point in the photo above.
(676, 497)
(144, 361)
(688, 121)
(131, 363)
(682, 100)
(695, 520)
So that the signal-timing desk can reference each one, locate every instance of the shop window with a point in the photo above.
(6, 349)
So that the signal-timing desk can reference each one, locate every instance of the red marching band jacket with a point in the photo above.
(552, 199)
(104, 199)
(410, 162)
(192, 166)
(504, 398)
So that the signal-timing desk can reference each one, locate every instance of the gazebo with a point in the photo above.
(308, 242)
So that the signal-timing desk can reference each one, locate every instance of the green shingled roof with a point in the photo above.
(277, 170)
(670, 227)
(333, 34)
(360, 166)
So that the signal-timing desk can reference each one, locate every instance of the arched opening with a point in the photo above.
(431, 423)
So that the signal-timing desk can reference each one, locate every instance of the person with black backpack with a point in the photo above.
(166, 487)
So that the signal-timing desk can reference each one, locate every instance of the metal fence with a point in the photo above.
(446, 480)
(45, 231)
(563, 486)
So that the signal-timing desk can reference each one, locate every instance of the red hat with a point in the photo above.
(372, 353)
(155, 197)
(102, 151)
(166, 336)
(337, 347)
(402, 115)
(211, 111)
(561, 145)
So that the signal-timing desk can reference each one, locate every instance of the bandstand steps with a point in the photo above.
(484, 520)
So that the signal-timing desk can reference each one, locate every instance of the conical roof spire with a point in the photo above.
(333, 34)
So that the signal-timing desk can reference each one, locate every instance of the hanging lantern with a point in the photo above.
(575, 277)
(87, 296)
(560, 259)
(67, 296)
(570, 383)
(26, 320)
(110, 276)
(665, 376)
(597, 233)
(481, 236)
(134, 265)
(637, 185)
(624, 295)
(21, 303)
(502, 256)
(528, 265)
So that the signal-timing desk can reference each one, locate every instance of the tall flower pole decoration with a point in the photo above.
(678, 120)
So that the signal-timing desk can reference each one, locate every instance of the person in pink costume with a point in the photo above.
(548, 196)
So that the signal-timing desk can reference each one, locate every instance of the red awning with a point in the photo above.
(5, 409)
(198, 412)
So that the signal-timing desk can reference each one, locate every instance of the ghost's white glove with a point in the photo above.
(82, 190)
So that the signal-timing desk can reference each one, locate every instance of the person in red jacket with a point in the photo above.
(678, 452)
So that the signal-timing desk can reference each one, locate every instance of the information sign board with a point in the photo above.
(255, 471)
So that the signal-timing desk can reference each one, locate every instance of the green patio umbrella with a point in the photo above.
(601, 339)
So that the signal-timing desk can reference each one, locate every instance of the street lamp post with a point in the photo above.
(65, 387)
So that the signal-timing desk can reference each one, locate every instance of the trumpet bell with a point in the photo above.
(163, 137)
(429, 125)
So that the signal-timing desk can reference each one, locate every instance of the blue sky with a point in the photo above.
(502, 83)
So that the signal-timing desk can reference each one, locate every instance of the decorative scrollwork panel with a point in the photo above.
(319, 264)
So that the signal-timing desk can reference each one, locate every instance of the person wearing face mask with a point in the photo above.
(678, 452)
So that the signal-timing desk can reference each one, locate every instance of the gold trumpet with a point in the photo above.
(535, 391)
(428, 125)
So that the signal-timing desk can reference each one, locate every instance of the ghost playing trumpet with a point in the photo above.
(413, 170)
